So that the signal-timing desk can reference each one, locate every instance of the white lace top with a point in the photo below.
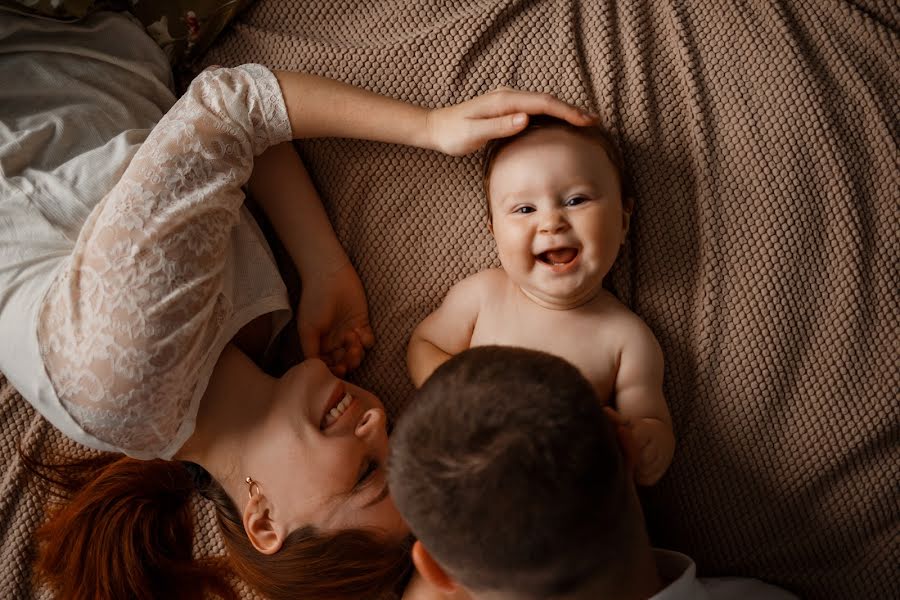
(165, 269)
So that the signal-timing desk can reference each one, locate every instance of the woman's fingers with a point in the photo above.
(347, 352)
(461, 129)
(353, 350)
(507, 101)
(353, 357)
(309, 342)
(365, 336)
(483, 130)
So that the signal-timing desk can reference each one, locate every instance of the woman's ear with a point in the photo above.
(430, 570)
(266, 535)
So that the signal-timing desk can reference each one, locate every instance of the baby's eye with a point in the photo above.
(523, 210)
(575, 200)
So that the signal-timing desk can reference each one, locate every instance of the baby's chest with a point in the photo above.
(580, 341)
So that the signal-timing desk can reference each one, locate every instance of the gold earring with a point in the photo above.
(250, 485)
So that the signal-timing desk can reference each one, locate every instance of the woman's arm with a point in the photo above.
(333, 318)
(135, 313)
(320, 107)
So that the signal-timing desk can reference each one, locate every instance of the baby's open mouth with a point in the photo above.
(558, 256)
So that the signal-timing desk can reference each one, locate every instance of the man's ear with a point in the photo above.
(627, 208)
(430, 570)
(266, 535)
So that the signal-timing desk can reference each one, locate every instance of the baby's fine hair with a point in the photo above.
(510, 474)
(536, 122)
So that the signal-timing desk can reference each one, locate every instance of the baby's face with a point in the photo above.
(557, 215)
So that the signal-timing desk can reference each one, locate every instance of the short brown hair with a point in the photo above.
(592, 132)
(510, 474)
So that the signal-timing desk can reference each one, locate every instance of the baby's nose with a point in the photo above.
(553, 222)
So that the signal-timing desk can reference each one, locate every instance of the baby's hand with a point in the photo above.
(651, 462)
(642, 442)
(466, 127)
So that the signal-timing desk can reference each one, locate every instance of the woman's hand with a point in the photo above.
(466, 127)
(333, 319)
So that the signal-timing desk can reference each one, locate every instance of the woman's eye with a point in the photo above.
(576, 200)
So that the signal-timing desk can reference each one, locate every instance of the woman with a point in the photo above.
(138, 341)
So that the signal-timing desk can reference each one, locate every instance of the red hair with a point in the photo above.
(123, 528)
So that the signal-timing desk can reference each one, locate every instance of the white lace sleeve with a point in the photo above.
(134, 311)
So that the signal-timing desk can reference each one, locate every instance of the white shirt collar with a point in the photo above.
(681, 574)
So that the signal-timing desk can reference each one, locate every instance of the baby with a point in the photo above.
(558, 214)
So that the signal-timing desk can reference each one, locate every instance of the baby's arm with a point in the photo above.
(446, 331)
(640, 401)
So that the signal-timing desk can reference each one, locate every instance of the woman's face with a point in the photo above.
(320, 459)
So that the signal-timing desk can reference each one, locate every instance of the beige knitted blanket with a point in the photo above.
(761, 140)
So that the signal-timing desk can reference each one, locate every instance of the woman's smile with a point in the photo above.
(344, 405)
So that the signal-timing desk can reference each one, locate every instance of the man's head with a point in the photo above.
(557, 208)
(511, 477)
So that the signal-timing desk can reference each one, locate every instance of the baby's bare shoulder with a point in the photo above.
(615, 319)
(488, 281)
(474, 281)
(476, 290)
(637, 337)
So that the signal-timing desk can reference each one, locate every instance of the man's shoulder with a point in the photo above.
(680, 573)
(740, 588)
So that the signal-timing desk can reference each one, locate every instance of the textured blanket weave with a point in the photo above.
(761, 140)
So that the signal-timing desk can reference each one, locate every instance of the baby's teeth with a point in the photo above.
(334, 412)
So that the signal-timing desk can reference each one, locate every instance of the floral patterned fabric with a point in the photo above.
(184, 29)
(129, 367)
